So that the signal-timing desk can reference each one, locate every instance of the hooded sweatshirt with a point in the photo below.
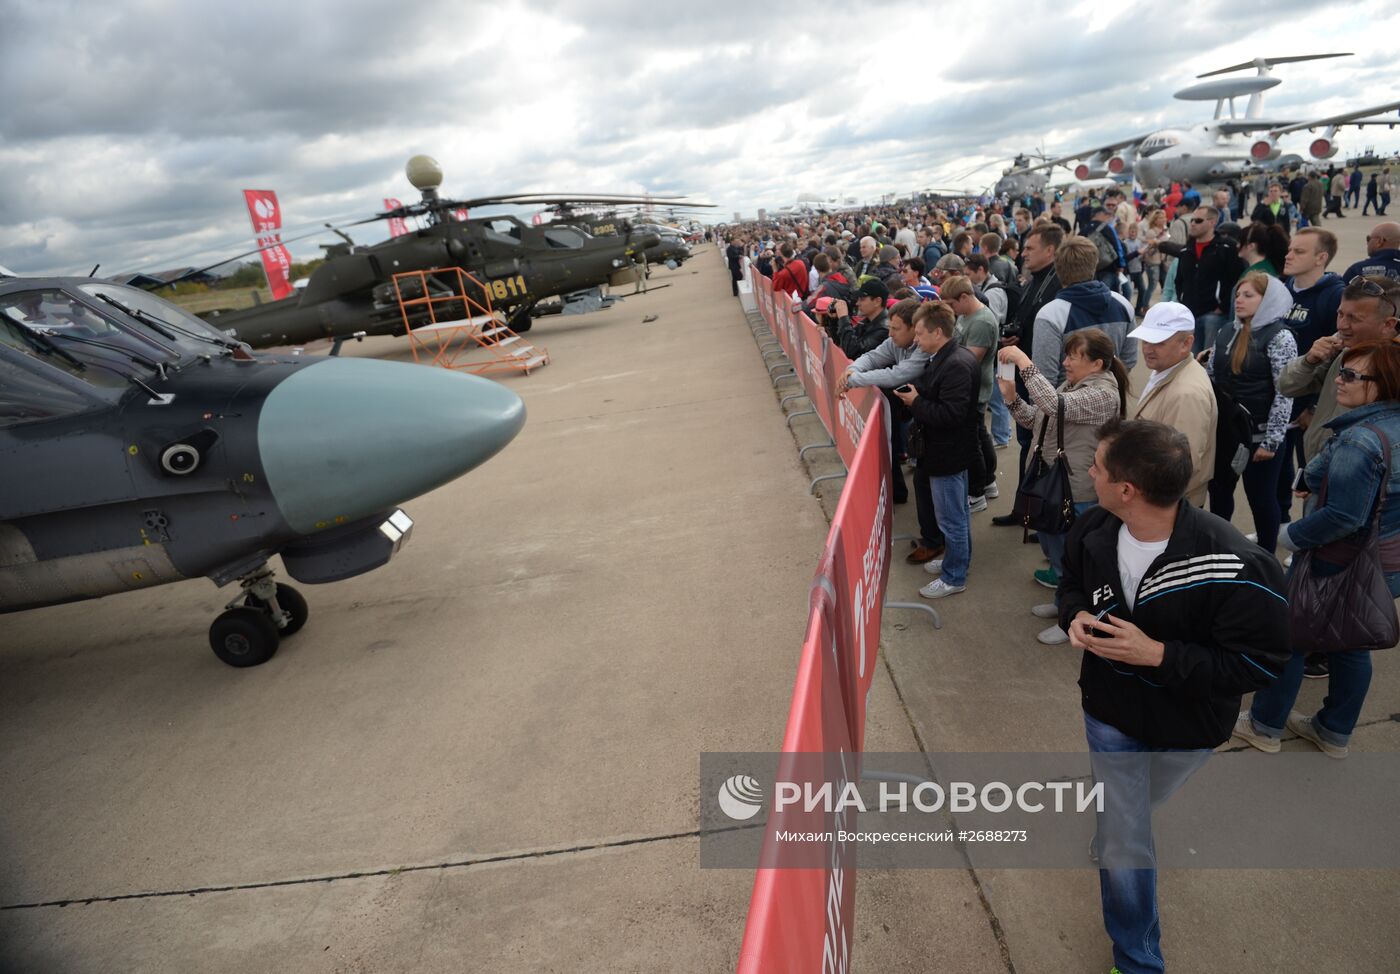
(1282, 349)
(1089, 304)
(1314, 316)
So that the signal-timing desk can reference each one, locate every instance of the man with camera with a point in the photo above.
(895, 362)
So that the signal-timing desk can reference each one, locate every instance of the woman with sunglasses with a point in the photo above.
(1247, 364)
(1353, 465)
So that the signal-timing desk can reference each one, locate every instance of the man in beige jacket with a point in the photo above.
(1179, 392)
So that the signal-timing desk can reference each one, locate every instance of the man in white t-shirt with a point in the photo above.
(1178, 617)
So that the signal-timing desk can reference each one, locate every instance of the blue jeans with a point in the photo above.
(1139, 279)
(1054, 544)
(1348, 679)
(1133, 788)
(1206, 327)
(1001, 418)
(954, 520)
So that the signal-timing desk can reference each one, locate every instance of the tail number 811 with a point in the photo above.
(502, 288)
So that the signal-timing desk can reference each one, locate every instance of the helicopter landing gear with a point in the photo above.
(520, 320)
(252, 626)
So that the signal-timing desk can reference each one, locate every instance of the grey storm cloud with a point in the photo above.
(70, 68)
(127, 130)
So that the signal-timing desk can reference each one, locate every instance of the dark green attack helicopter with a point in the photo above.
(515, 264)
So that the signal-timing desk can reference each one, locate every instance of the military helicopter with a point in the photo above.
(139, 446)
(354, 294)
(635, 225)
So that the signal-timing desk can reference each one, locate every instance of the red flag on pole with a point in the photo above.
(266, 215)
(397, 226)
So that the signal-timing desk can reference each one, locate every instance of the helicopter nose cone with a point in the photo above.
(346, 438)
(646, 241)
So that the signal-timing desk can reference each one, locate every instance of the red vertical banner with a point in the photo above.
(460, 214)
(803, 918)
(266, 215)
(816, 347)
(858, 563)
(397, 226)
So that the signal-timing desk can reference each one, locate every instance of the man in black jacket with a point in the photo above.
(1272, 210)
(1207, 269)
(943, 402)
(857, 338)
(1178, 617)
(734, 254)
(1038, 256)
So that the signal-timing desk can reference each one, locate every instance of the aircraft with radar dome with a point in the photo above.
(1225, 147)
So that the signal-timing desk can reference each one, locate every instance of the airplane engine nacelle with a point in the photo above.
(1264, 150)
(1094, 168)
(1122, 162)
(1322, 149)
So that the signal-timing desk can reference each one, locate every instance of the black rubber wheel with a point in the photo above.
(522, 323)
(243, 637)
(291, 602)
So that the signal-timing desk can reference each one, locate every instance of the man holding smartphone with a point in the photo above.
(1178, 617)
(895, 362)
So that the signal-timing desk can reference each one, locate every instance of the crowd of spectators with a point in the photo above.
(984, 320)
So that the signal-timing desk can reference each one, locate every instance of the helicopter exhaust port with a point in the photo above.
(179, 459)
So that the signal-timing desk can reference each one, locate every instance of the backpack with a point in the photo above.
(1234, 435)
(829, 289)
(1108, 254)
(1013, 295)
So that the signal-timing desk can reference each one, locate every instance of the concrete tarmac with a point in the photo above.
(483, 756)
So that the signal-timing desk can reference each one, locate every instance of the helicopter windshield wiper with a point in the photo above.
(41, 342)
(165, 328)
(138, 358)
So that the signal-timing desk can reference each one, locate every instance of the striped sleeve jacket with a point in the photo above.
(1212, 598)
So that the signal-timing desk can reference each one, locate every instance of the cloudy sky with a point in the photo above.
(128, 130)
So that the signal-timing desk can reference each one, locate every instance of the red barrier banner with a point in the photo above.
(816, 349)
(858, 550)
(802, 918)
(266, 215)
(397, 225)
(819, 364)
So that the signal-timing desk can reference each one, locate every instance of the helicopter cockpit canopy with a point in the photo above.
(105, 335)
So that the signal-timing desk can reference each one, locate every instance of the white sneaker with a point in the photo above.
(938, 588)
(1045, 610)
(1244, 730)
(1053, 636)
(1252, 536)
(934, 567)
(975, 504)
(992, 492)
(1306, 728)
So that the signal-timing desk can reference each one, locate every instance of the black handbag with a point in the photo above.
(1044, 501)
(1352, 609)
